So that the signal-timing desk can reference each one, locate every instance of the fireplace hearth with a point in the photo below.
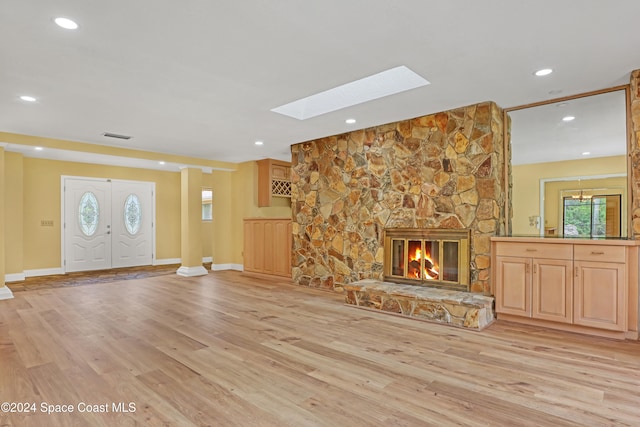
(436, 258)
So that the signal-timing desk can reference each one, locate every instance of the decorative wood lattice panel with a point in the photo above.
(280, 188)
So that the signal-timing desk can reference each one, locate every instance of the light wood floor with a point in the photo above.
(231, 349)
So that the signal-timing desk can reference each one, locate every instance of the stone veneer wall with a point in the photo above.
(444, 170)
(635, 151)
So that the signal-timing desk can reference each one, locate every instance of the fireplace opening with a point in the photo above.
(428, 257)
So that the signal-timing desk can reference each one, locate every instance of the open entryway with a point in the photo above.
(107, 223)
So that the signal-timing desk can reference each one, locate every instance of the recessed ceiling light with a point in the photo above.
(543, 72)
(385, 83)
(161, 162)
(562, 104)
(586, 153)
(259, 143)
(38, 148)
(28, 98)
(568, 118)
(66, 23)
(350, 121)
(555, 92)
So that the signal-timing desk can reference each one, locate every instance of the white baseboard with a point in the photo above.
(192, 271)
(43, 272)
(5, 293)
(167, 261)
(14, 277)
(220, 267)
(18, 277)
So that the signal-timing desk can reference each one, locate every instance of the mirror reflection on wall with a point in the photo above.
(569, 167)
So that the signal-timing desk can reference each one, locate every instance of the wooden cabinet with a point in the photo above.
(267, 246)
(552, 291)
(274, 180)
(600, 287)
(515, 297)
(584, 286)
(534, 286)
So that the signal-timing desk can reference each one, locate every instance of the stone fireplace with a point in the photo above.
(436, 258)
(441, 171)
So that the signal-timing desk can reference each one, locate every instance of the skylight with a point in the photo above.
(385, 83)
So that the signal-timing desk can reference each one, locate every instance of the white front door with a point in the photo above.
(107, 224)
(131, 220)
(87, 225)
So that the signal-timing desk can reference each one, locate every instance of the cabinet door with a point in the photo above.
(552, 290)
(253, 246)
(279, 172)
(282, 248)
(267, 247)
(513, 286)
(599, 294)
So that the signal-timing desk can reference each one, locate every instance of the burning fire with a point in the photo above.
(430, 267)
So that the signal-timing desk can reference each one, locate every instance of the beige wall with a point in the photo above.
(42, 198)
(14, 212)
(34, 195)
(223, 231)
(526, 184)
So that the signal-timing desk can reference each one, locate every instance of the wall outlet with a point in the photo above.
(534, 221)
(46, 223)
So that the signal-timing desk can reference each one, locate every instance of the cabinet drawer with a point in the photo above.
(599, 253)
(535, 250)
(279, 172)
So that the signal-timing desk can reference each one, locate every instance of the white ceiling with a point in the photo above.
(199, 77)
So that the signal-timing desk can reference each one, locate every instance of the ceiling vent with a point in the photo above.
(116, 135)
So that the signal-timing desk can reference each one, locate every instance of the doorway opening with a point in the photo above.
(592, 216)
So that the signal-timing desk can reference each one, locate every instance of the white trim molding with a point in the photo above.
(43, 272)
(167, 261)
(14, 277)
(192, 271)
(5, 293)
(220, 267)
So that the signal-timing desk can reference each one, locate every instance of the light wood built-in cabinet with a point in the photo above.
(539, 279)
(267, 246)
(588, 286)
(600, 277)
(274, 180)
